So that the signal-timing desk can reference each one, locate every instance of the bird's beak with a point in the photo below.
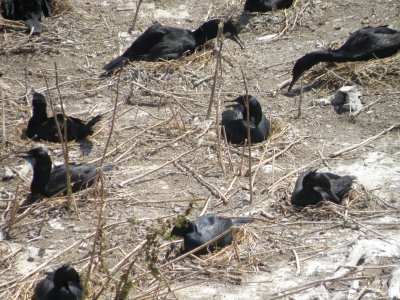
(234, 103)
(25, 156)
(294, 80)
(235, 38)
(333, 195)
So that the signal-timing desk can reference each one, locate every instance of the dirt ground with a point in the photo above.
(168, 161)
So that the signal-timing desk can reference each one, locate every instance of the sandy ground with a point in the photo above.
(169, 162)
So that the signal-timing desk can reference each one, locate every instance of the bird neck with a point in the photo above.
(39, 114)
(316, 57)
(206, 32)
(255, 112)
(41, 175)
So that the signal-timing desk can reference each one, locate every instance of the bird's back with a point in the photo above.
(43, 287)
(160, 42)
(205, 229)
(266, 5)
(236, 131)
(82, 176)
(371, 42)
(76, 129)
(341, 185)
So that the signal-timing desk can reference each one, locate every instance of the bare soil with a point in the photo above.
(169, 161)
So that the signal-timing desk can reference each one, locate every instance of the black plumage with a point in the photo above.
(235, 121)
(42, 127)
(63, 284)
(204, 229)
(364, 44)
(266, 5)
(48, 181)
(164, 42)
(312, 187)
(31, 11)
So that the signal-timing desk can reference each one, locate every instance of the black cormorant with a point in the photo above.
(48, 181)
(164, 42)
(205, 228)
(63, 284)
(30, 11)
(44, 128)
(266, 5)
(312, 187)
(364, 44)
(235, 121)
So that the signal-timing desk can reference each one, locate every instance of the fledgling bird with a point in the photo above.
(42, 127)
(364, 44)
(204, 229)
(312, 187)
(30, 11)
(165, 42)
(266, 5)
(63, 284)
(235, 121)
(48, 181)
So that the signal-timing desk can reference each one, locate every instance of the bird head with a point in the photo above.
(230, 31)
(182, 227)
(38, 100)
(320, 180)
(65, 275)
(35, 154)
(255, 109)
(303, 64)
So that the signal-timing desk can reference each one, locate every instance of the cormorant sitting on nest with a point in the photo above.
(204, 229)
(164, 42)
(31, 11)
(63, 284)
(235, 121)
(312, 187)
(364, 44)
(48, 181)
(44, 128)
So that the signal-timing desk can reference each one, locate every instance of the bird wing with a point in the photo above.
(143, 44)
(173, 44)
(81, 176)
(367, 42)
(234, 113)
(8, 9)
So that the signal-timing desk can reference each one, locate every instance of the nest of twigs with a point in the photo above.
(60, 6)
(376, 73)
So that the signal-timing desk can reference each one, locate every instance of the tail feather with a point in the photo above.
(34, 25)
(108, 167)
(92, 122)
(113, 65)
(242, 220)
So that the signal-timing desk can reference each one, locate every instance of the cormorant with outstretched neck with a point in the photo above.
(63, 284)
(164, 42)
(44, 128)
(31, 11)
(48, 181)
(312, 187)
(364, 44)
(266, 5)
(204, 229)
(235, 121)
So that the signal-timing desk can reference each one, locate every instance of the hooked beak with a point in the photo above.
(236, 39)
(333, 195)
(25, 156)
